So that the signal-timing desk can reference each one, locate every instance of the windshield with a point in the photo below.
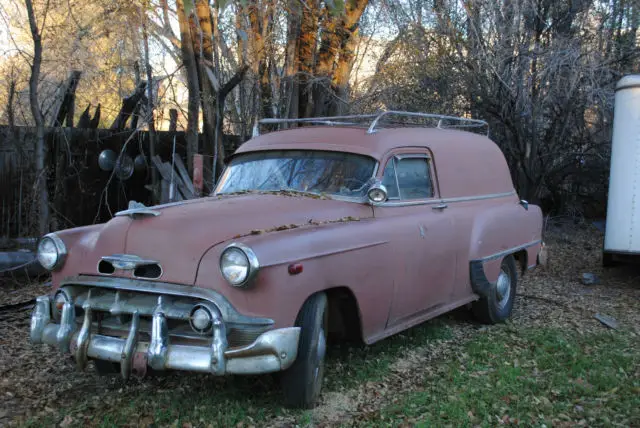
(332, 173)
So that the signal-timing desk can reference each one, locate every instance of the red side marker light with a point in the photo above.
(295, 268)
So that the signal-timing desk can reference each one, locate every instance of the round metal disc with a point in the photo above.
(140, 163)
(124, 167)
(107, 160)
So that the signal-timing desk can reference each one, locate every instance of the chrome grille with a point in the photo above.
(113, 311)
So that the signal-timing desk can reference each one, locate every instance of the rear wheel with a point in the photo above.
(498, 304)
(302, 382)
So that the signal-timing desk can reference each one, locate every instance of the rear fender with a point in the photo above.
(498, 232)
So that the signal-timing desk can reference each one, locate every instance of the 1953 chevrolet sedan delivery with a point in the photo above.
(312, 233)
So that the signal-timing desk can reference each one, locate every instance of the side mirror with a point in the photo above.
(377, 193)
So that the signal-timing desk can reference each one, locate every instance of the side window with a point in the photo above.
(413, 178)
(389, 179)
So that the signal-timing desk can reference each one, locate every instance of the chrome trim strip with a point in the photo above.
(480, 197)
(447, 200)
(401, 156)
(507, 252)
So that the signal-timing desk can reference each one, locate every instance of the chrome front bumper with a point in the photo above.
(271, 351)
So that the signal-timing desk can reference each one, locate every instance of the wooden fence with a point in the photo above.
(81, 192)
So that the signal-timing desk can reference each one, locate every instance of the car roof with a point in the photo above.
(467, 163)
(376, 145)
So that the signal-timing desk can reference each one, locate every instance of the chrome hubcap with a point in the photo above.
(503, 289)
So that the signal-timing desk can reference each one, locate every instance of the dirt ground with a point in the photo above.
(35, 380)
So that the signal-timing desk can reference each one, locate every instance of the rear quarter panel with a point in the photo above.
(504, 227)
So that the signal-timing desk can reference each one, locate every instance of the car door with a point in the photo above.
(420, 233)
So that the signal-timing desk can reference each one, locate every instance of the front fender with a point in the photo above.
(349, 254)
(81, 243)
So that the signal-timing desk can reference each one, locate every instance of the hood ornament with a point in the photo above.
(137, 209)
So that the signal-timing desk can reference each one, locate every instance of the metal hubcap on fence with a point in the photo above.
(503, 289)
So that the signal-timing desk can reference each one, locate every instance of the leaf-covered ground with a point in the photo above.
(553, 364)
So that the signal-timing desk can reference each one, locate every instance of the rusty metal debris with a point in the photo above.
(607, 320)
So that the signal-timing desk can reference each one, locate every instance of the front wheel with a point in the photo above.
(498, 304)
(302, 382)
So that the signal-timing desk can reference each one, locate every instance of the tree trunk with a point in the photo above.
(327, 56)
(203, 47)
(222, 95)
(173, 120)
(290, 84)
(348, 33)
(261, 21)
(150, 107)
(191, 68)
(306, 54)
(41, 173)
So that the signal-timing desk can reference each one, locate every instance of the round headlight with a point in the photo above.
(200, 319)
(238, 264)
(51, 252)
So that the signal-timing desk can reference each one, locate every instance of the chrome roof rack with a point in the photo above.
(373, 122)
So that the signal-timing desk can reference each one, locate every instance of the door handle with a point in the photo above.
(440, 206)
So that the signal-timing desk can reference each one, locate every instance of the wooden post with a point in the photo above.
(65, 102)
(173, 120)
(198, 175)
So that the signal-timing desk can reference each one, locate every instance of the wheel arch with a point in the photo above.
(345, 318)
(480, 283)
(522, 258)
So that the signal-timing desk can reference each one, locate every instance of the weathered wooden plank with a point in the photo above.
(65, 101)
(165, 172)
(182, 170)
(179, 188)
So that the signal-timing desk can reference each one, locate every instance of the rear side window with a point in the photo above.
(408, 178)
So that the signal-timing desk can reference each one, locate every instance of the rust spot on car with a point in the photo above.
(288, 193)
(295, 226)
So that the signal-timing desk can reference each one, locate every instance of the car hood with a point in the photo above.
(178, 237)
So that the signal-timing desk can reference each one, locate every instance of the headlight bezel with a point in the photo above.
(253, 264)
(61, 251)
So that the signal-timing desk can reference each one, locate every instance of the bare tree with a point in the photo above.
(40, 154)
(191, 66)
